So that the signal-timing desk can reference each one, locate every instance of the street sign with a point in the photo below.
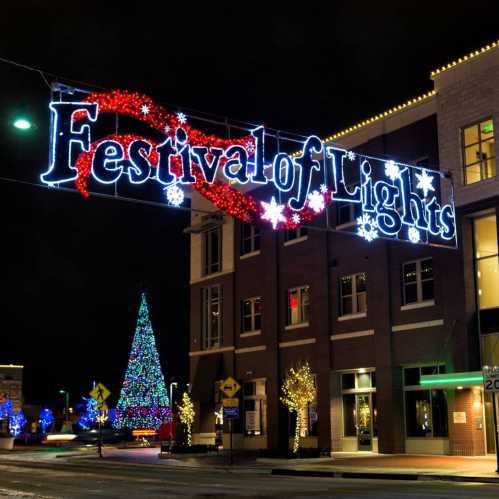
(231, 412)
(100, 393)
(230, 402)
(102, 406)
(491, 379)
(230, 387)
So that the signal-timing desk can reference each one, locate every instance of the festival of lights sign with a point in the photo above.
(393, 199)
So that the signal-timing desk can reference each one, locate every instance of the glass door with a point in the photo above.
(364, 422)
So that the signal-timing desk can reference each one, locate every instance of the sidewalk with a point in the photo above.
(394, 466)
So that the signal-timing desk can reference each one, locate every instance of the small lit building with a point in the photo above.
(11, 384)
(396, 334)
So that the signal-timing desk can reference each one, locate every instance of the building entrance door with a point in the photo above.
(364, 421)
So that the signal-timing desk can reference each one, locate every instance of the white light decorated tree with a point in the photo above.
(298, 390)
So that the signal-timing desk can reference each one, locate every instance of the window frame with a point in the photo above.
(208, 266)
(301, 235)
(482, 163)
(252, 315)
(262, 401)
(440, 368)
(301, 307)
(478, 259)
(352, 216)
(208, 339)
(354, 295)
(254, 239)
(419, 285)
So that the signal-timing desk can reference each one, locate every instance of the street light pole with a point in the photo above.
(172, 384)
(66, 393)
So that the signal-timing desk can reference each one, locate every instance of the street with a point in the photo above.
(85, 478)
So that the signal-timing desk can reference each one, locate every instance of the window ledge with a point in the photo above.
(250, 333)
(211, 276)
(352, 316)
(296, 241)
(249, 255)
(478, 183)
(420, 304)
(296, 326)
(346, 225)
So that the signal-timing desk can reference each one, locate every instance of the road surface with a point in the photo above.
(88, 478)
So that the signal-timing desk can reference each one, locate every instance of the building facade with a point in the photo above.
(393, 331)
(11, 385)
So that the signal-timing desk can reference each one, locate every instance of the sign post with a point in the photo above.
(100, 393)
(230, 387)
(491, 385)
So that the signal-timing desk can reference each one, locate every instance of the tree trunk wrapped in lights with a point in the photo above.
(143, 402)
(298, 390)
(186, 414)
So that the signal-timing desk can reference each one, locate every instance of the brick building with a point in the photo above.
(395, 333)
(11, 384)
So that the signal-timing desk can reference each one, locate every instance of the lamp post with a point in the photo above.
(66, 411)
(172, 384)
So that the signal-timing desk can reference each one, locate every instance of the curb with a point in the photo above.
(381, 476)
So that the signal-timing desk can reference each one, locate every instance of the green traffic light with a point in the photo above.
(22, 124)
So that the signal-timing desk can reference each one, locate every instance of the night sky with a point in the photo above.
(73, 268)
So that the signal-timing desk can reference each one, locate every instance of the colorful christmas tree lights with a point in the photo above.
(143, 401)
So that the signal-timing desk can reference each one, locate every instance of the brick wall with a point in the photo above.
(466, 438)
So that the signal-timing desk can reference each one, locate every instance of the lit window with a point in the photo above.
(298, 305)
(360, 415)
(487, 261)
(353, 294)
(212, 316)
(251, 314)
(212, 251)
(417, 280)
(250, 238)
(478, 152)
(255, 408)
(292, 234)
(425, 410)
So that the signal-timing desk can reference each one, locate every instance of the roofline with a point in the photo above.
(464, 59)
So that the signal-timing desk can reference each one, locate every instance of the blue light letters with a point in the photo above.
(391, 202)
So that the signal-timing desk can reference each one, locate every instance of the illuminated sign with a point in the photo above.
(245, 176)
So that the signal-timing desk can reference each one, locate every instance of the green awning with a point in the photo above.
(452, 380)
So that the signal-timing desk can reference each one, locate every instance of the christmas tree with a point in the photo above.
(143, 400)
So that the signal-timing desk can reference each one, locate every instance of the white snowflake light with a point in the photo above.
(144, 109)
(316, 201)
(296, 218)
(323, 188)
(351, 156)
(167, 128)
(182, 118)
(425, 182)
(392, 170)
(250, 147)
(175, 195)
(367, 227)
(414, 235)
(273, 212)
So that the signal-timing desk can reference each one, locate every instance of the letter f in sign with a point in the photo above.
(65, 135)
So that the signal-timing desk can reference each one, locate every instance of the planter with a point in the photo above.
(6, 443)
